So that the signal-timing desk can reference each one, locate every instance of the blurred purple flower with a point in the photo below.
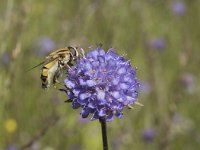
(188, 81)
(11, 147)
(45, 45)
(158, 43)
(178, 8)
(180, 125)
(102, 84)
(5, 58)
(148, 135)
(145, 87)
(75, 147)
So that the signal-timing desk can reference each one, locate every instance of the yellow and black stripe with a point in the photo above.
(45, 74)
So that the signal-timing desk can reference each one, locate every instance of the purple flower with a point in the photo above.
(158, 43)
(188, 81)
(75, 147)
(145, 87)
(148, 135)
(102, 84)
(5, 58)
(11, 147)
(45, 45)
(178, 8)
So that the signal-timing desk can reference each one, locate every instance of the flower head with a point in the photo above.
(148, 135)
(178, 8)
(158, 43)
(45, 46)
(11, 147)
(145, 87)
(188, 81)
(102, 84)
(5, 58)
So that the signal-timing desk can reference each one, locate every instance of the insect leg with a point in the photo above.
(57, 75)
(66, 65)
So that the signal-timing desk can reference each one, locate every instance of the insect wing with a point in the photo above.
(42, 63)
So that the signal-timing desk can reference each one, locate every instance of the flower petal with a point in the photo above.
(112, 54)
(93, 54)
(82, 82)
(116, 94)
(92, 103)
(75, 104)
(122, 71)
(85, 112)
(90, 83)
(124, 86)
(119, 114)
(76, 92)
(88, 66)
(115, 81)
(95, 116)
(111, 63)
(83, 96)
(101, 95)
(101, 59)
(102, 52)
(110, 117)
(69, 83)
(102, 113)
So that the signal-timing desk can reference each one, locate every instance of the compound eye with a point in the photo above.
(73, 53)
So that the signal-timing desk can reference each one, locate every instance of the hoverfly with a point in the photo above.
(54, 63)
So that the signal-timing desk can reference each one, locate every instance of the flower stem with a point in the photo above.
(104, 133)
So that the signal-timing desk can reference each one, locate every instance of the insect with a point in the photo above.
(54, 63)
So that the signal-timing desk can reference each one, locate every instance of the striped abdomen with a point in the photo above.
(48, 72)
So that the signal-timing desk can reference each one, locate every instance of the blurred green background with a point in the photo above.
(160, 37)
